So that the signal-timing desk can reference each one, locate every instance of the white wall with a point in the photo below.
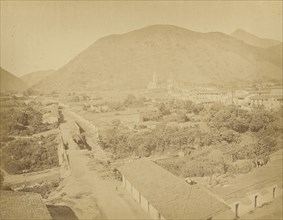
(128, 186)
(261, 199)
(123, 182)
(148, 208)
(153, 213)
(144, 204)
(135, 194)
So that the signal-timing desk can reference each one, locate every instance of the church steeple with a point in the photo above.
(153, 84)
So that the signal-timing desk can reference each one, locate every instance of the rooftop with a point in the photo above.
(22, 205)
(242, 96)
(255, 181)
(170, 195)
(260, 97)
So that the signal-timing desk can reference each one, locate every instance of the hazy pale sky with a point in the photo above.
(46, 35)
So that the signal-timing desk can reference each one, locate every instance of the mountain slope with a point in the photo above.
(253, 40)
(129, 61)
(9, 82)
(35, 77)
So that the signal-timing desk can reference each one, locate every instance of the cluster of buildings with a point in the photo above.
(268, 97)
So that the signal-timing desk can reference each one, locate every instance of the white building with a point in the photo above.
(267, 101)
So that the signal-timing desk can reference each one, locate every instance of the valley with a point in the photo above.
(167, 131)
(169, 111)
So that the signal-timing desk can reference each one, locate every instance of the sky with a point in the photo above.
(39, 35)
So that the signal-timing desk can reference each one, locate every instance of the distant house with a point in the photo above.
(276, 90)
(267, 101)
(272, 90)
(19, 96)
(165, 196)
(202, 95)
(22, 205)
(207, 96)
(242, 100)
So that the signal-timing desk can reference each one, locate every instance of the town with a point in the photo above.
(146, 122)
(81, 125)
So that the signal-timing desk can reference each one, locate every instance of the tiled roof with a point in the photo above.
(170, 195)
(22, 205)
(265, 97)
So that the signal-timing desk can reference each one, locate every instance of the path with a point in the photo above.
(16, 181)
(86, 191)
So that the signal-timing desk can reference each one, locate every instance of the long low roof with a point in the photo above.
(257, 180)
(169, 194)
(266, 97)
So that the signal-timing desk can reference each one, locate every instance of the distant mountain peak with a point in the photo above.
(10, 82)
(35, 77)
(252, 39)
(127, 61)
(239, 30)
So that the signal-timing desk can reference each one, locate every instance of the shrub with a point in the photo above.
(240, 167)
(230, 136)
(27, 154)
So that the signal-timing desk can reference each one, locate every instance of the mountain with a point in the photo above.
(253, 40)
(9, 82)
(36, 77)
(128, 61)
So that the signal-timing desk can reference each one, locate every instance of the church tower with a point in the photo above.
(153, 84)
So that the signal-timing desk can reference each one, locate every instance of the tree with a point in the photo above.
(116, 122)
(230, 136)
(240, 125)
(30, 92)
(130, 100)
(198, 108)
(260, 119)
(164, 109)
(265, 145)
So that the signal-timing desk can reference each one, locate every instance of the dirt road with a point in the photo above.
(91, 190)
(27, 179)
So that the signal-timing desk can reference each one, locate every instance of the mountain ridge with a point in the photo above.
(253, 39)
(10, 82)
(129, 60)
(36, 76)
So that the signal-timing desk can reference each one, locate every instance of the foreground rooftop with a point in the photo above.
(169, 194)
(22, 205)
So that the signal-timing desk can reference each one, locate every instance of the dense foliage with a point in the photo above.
(32, 154)
(21, 121)
(234, 138)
